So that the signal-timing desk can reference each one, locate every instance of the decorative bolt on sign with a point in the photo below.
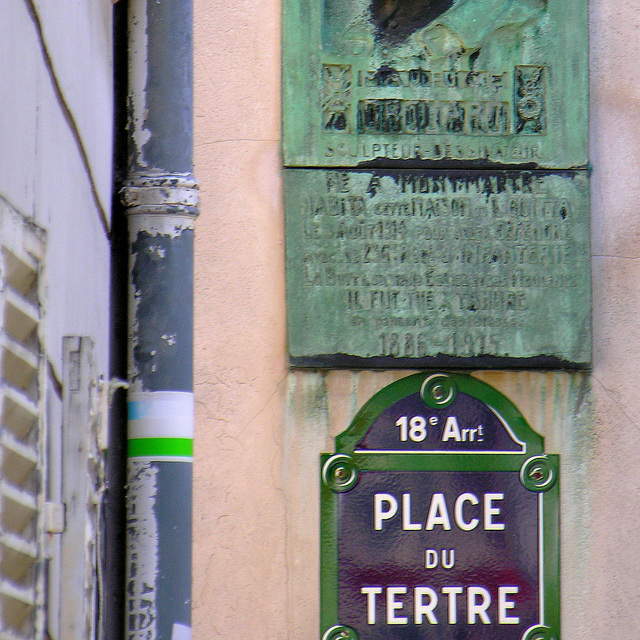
(439, 519)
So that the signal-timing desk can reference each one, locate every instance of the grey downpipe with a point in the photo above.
(161, 199)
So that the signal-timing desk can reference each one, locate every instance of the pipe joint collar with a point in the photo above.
(161, 193)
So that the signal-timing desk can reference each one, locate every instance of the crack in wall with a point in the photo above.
(617, 402)
(208, 143)
(606, 255)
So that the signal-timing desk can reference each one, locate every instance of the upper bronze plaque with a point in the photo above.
(446, 83)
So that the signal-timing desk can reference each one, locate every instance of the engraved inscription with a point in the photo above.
(445, 102)
(415, 263)
(386, 76)
(433, 117)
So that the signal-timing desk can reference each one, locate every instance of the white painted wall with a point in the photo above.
(56, 125)
(256, 483)
(56, 128)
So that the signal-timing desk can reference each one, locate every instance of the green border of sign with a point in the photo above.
(538, 471)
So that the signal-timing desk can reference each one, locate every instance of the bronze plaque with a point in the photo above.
(408, 267)
(484, 83)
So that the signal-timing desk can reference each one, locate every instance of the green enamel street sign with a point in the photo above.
(398, 268)
(435, 82)
(439, 519)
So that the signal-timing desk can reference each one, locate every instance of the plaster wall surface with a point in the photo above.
(260, 428)
(55, 154)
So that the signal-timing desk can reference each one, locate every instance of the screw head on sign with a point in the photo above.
(538, 474)
(438, 391)
(340, 473)
(340, 632)
(539, 633)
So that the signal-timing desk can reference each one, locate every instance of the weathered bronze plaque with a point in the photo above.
(415, 267)
(439, 519)
(435, 83)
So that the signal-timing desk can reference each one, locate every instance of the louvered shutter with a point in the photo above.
(21, 433)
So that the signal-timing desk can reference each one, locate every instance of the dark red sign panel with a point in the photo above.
(438, 554)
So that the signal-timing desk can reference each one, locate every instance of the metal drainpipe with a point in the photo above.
(160, 196)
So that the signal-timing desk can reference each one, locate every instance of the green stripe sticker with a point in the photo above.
(160, 447)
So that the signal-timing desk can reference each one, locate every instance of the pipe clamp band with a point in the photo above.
(161, 193)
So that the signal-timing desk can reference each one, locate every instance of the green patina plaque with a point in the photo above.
(439, 519)
(435, 83)
(422, 267)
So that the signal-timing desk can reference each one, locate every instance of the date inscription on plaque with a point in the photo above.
(395, 267)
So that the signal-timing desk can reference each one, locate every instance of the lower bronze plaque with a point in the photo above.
(402, 267)
(439, 519)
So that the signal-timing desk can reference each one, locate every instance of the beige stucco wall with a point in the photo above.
(260, 429)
